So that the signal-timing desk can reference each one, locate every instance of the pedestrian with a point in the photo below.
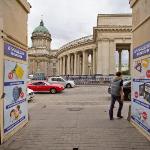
(116, 94)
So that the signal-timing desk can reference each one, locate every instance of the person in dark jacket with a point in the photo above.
(116, 95)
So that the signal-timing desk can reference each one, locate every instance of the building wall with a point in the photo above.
(141, 21)
(141, 35)
(114, 19)
(16, 27)
(13, 29)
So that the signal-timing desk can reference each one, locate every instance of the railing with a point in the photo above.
(88, 79)
(92, 79)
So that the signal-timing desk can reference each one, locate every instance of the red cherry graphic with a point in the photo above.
(144, 114)
(21, 94)
(10, 75)
(148, 73)
(136, 94)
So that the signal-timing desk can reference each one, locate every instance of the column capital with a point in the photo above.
(75, 53)
(111, 39)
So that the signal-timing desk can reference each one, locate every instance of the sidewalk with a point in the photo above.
(73, 119)
(87, 128)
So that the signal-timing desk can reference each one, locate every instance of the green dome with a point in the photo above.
(41, 28)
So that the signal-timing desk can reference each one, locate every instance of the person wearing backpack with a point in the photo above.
(116, 95)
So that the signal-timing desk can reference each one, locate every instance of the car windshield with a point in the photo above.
(46, 83)
(127, 83)
(60, 79)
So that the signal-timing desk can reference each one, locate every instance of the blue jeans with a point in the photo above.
(113, 100)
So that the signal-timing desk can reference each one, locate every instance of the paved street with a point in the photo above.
(77, 117)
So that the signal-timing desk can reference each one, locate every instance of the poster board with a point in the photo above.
(140, 107)
(15, 112)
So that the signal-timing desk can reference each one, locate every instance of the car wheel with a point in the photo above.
(68, 85)
(53, 91)
(129, 96)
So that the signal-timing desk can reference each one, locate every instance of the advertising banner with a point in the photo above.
(15, 104)
(15, 52)
(140, 108)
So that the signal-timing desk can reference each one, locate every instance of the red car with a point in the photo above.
(43, 86)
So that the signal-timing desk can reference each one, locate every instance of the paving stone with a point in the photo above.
(78, 117)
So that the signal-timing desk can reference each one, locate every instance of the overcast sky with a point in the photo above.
(68, 20)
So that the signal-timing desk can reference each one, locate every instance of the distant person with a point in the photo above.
(67, 77)
(116, 94)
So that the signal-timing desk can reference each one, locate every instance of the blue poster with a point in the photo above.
(15, 104)
(15, 52)
(141, 50)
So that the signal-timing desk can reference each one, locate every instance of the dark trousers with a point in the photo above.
(113, 100)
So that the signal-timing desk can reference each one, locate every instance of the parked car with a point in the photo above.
(30, 94)
(126, 89)
(60, 80)
(43, 86)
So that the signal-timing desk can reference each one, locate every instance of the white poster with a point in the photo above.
(15, 104)
(140, 111)
(140, 108)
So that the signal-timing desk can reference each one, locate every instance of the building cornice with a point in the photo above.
(76, 43)
(26, 5)
(115, 15)
(132, 2)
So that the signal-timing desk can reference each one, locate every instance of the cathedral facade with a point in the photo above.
(41, 58)
(90, 55)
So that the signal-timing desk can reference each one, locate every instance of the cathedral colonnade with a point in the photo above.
(78, 63)
(91, 58)
(101, 53)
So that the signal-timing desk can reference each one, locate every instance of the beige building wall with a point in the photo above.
(13, 29)
(15, 19)
(141, 21)
(141, 35)
(114, 19)
(111, 30)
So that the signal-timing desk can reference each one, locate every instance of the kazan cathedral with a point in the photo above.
(41, 57)
(91, 55)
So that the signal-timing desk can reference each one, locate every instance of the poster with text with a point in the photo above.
(140, 111)
(140, 108)
(15, 104)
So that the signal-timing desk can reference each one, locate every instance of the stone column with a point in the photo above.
(75, 64)
(58, 67)
(78, 64)
(99, 58)
(84, 63)
(68, 64)
(72, 66)
(105, 57)
(120, 59)
(61, 66)
(64, 65)
(129, 60)
(94, 61)
(112, 50)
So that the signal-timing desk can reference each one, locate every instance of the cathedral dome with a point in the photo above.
(41, 37)
(41, 28)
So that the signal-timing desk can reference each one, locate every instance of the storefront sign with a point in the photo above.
(15, 104)
(12, 51)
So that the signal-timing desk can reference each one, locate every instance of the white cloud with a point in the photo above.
(68, 20)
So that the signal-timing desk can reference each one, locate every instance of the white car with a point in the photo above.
(60, 80)
(30, 94)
